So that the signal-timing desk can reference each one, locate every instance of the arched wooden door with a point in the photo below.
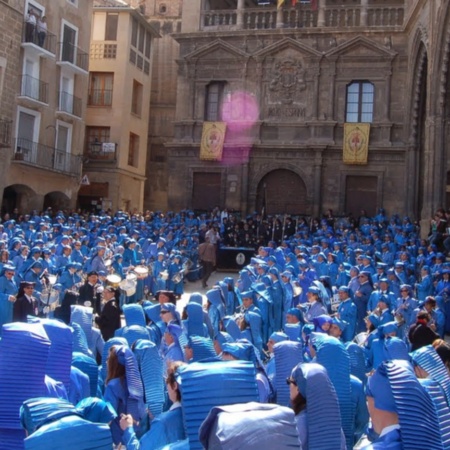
(282, 192)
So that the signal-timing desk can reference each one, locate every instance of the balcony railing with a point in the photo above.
(97, 152)
(69, 53)
(302, 16)
(100, 97)
(34, 88)
(5, 132)
(44, 40)
(69, 103)
(46, 157)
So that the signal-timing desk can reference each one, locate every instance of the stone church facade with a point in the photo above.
(286, 81)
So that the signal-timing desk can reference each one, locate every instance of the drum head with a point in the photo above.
(131, 277)
(49, 296)
(114, 278)
(141, 271)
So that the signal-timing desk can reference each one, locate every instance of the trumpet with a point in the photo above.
(377, 311)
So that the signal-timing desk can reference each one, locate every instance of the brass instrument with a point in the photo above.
(186, 266)
(177, 277)
(361, 338)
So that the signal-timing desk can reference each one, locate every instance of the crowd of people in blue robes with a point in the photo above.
(332, 335)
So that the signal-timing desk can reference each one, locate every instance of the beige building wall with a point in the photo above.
(128, 113)
(10, 61)
(165, 16)
(50, 103)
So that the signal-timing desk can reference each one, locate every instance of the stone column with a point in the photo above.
(321, 16)
(387, 95)
(317, 182)
(244, 188)
(364, 12)
(280, 18)
(333, 87)
(240, 14)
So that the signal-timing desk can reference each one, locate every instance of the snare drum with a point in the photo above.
(128, 286)
(114, 279)
(131, 277)
(49, 297)
(141, 272)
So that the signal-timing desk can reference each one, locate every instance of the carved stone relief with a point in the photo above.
(285, 88)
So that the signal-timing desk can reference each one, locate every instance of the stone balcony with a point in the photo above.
(334, 14)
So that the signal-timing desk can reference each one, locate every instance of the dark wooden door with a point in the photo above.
(206, 191)
(361, 193)
(282, 192)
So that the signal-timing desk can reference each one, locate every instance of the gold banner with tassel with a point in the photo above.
(213, 137)
(356, 143)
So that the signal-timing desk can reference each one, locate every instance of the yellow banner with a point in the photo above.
(213, 137)
(356, 143)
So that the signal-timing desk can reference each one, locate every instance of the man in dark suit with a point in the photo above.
(26, 304)
(88, 292)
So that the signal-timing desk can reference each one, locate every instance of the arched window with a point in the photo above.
(360, 100)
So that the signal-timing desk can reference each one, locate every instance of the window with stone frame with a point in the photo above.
(133, 150)
(360, 102)
(136, 98)
(214, 100)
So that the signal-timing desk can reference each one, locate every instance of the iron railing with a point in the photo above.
(45, 40)
(33, 88)
(69, 103)
(72, 54)
(46, 157)
(97, 152)
(100, 97)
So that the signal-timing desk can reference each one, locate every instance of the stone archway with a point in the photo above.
(57, 201)
(282, 191)
(18, 196)
(420, 117)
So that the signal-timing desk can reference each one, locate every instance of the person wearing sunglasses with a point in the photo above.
(26, 304)
(316, 408)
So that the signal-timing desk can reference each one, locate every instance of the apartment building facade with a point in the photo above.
(44, 92)
(115, 147)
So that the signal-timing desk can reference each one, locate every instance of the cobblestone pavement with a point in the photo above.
(196, 286)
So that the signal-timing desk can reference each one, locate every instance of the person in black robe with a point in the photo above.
(109, 319)
(89, 295)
